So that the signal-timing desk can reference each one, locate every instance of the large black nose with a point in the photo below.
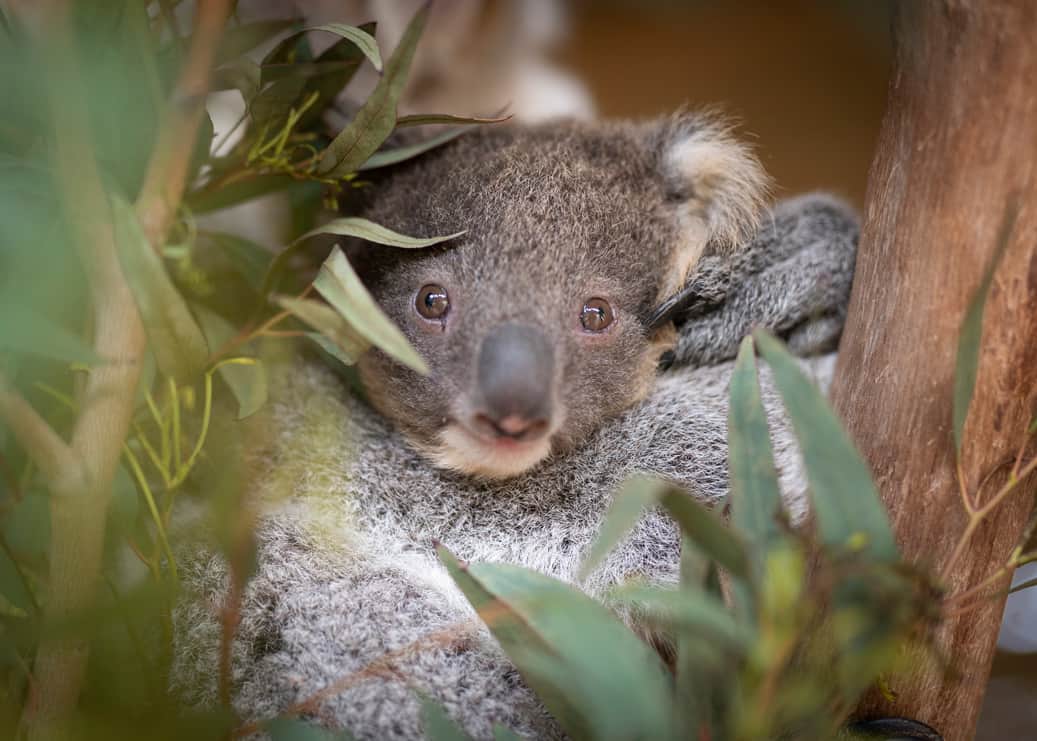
(515, 374)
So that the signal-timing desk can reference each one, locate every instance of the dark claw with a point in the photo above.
(895, 729)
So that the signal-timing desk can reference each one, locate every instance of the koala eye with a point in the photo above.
(432, 301)
(596, 315)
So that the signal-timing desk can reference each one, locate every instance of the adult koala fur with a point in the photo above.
(592, 249)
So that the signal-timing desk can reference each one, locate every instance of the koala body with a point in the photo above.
(349, 599)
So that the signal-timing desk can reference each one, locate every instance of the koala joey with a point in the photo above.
(591, 252)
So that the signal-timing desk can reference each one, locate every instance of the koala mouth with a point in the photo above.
(477, 451)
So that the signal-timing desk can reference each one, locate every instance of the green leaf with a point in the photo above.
(377, 117)
(13, 583)
(270, 107)
(243, 75)
(247, 36)
(210, 198)
(174, 336)
(293, 729)
(684, 610)
(438, 725)
(700, 524)
(351, 226)
(424, 119)
(339, 338)
(967, 362)
(360, 38)
(846, 503)
(26, 526)
(755, 494)
(245, 377)
(340, 286)
(125, 504)
(503, 733)
(245, 257)
(389, 157)
(27, 332)
(596, 677)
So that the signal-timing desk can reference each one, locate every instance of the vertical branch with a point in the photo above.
(959, 142)
(79, 506)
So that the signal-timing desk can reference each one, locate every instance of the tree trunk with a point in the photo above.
(958, 145)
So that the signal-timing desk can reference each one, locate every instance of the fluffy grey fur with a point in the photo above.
(347, 573)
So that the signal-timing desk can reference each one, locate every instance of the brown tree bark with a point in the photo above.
(958, 145)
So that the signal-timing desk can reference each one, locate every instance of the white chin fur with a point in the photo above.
(459, 450)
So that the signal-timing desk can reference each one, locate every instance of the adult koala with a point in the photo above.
(592, 251)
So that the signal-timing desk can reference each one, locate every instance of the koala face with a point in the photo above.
(535, 323)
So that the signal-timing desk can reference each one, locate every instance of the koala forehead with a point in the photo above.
(542, 207)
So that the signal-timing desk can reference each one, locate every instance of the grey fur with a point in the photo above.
(350, 511)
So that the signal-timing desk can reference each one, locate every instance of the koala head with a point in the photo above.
(535, 324)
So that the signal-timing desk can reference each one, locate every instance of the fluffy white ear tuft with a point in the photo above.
(718, 184)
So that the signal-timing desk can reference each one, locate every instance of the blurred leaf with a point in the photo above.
(210, 198)
(24, 331)
(174, 336)
(247, 381)
(704, 527)
(846, 503)
(697, 612)
(596, 677)
(248, 259)
(971, 333)
(332, 349)
(423, 119)
(292, 729)
(438, 725)
(340, 286)
(755, 494)
(389, 157)
(273, 102)
(247, 36)
(13, 584)
(125, 504)
(345, 343)
(242, 74)
(377, 117)
(26, 526)
(502, 733)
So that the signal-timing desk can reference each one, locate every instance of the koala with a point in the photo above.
(580, 332)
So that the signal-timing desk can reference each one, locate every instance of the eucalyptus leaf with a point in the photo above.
(424, 119)
(704, 527)
(846, 504)
(340, 286)
(438, 725)
(969, 337)
(351, 226)
(377, 117)
(684, 610)
(503, 733)
(242, 74)
(755, 494)
(244, 37)
(13, 583)
(360, 38)
(27, 332)
(293, 729)
(345, 343)
(210, 198)
(597, 677)
(388, 157)
(248, 259)
(174, 336)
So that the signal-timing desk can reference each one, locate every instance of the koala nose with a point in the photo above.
(515, 373)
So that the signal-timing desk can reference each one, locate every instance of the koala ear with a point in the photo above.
(716, 184)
